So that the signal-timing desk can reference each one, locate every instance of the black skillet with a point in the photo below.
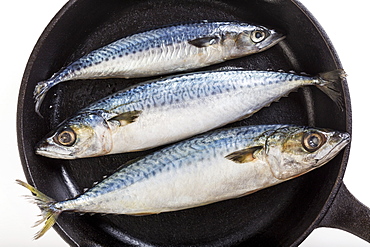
(282, 215)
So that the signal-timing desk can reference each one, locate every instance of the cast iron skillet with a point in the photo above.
(282, 215)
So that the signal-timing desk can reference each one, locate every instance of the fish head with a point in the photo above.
(293, 151)
(249, 39)
(85, 135)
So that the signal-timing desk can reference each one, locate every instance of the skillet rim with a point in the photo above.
(23, 151)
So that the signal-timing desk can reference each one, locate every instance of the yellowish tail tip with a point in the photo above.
(46, 204)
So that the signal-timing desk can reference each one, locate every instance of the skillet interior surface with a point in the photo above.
(276, 216)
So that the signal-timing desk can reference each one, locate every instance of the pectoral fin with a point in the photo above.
(204, 42)
(126, 118)
(244, 155)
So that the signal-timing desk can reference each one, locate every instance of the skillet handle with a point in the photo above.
(347, 213)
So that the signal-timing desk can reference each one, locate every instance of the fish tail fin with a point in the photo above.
(46, 204)
(39, 94)
(330, 82)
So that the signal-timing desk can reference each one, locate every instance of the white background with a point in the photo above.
(346, 23)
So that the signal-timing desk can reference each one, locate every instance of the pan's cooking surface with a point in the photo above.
(275, 216)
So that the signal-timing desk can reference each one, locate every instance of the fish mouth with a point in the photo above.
(274, 38)
(344, 138)
(44, 148)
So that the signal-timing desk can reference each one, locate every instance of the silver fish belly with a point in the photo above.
(213, 167)
(171, 109)
(166, 50)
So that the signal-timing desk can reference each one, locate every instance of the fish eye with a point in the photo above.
(66, 137)
(312, 141)
(258, 36)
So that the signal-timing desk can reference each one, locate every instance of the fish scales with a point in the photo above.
(212, 167)
(135, 44)
(162, 111)
(165, 50)
(198, 85)
(171, 160)
(159, 39)
(183, 91)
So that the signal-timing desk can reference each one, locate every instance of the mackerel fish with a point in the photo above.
(174, 108)
(166, 50)
(216, 166)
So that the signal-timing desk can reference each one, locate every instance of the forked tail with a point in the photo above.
(330, 83)
(46, 204)
(39, 94)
